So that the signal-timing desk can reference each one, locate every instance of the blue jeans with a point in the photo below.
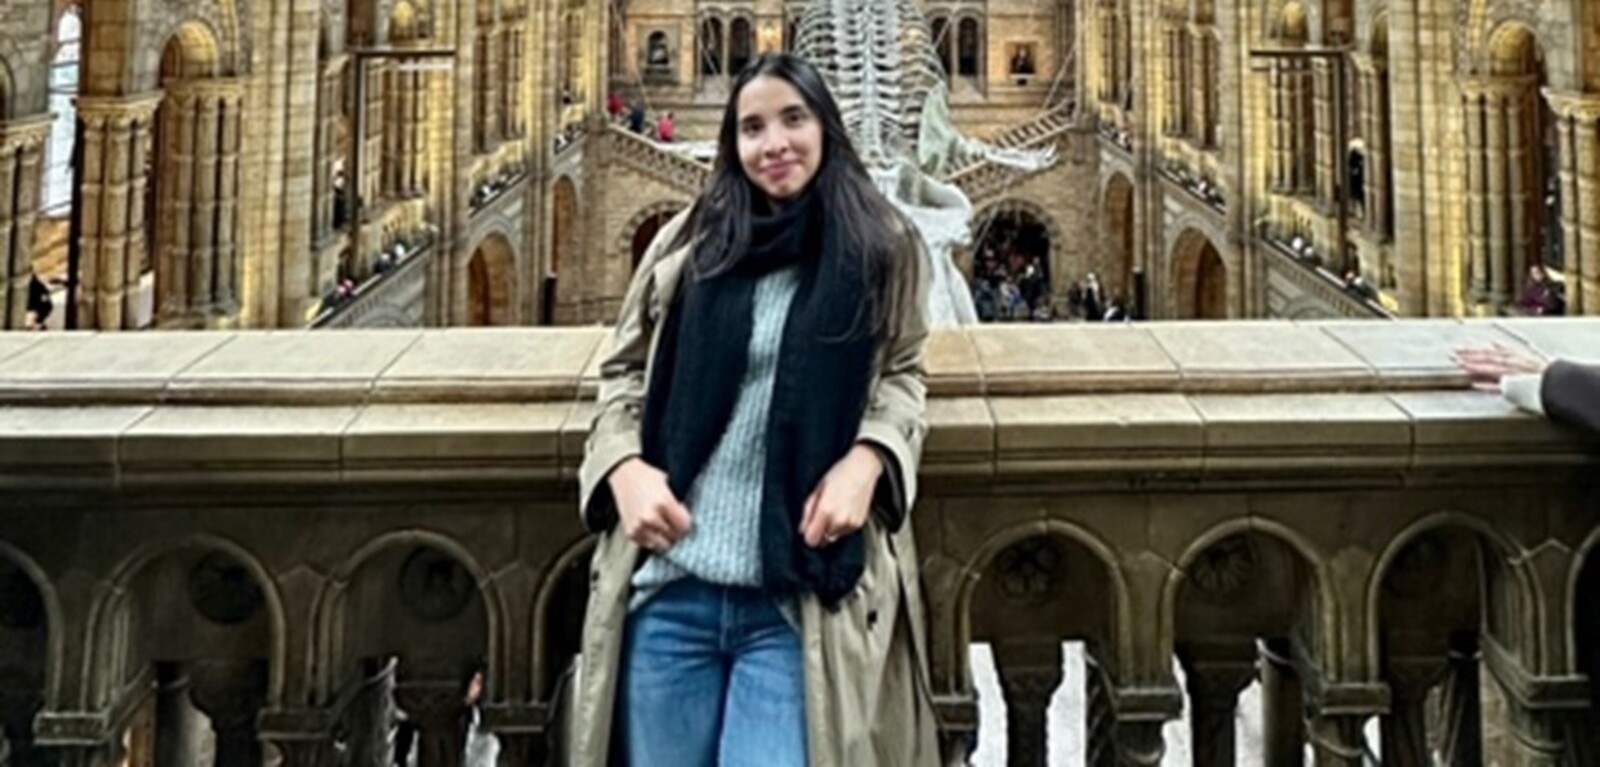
(712, 676)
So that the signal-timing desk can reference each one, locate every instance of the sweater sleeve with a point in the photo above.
(1571, 394)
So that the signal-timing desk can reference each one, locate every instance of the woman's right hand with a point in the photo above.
(650, 514)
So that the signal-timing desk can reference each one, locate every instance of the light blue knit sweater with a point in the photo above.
(724, 544)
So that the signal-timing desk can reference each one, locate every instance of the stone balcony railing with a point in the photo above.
(288, 534)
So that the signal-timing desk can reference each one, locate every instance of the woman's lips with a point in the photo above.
(779, 171)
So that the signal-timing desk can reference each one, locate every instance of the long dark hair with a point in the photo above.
(862, 222)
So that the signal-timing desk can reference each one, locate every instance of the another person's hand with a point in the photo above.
(1486, 366)
(842, 500)
(650, 514)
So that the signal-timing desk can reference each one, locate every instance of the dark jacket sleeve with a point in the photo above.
(1571, 394)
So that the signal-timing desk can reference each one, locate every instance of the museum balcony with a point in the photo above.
(263, 545)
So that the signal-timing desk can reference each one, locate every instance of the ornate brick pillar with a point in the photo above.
(1578, 122)
(1282, 176)
(1214, 680)
(1325, 133)
(21, 173)
(328, 109)
(1498, 181)
(372, 161)
(1172, 120)
(111, 235)
(1029, 676)
(196, 276)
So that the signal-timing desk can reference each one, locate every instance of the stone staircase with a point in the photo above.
(984, 179)
(644, 156)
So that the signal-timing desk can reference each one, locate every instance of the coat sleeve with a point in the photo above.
(1571, 394)
(614, 429)
(895, 421)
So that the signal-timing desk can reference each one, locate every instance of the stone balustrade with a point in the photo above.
(326, 527)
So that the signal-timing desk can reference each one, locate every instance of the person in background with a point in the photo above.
(1541, 297)
(40, 305)
(1566, 391)
(666, 129)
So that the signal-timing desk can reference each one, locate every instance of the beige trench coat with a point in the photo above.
(868, 699)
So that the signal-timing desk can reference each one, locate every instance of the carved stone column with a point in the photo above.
(439, 710)
(230, 104)
(1475, 108)
(1578, 122)
(1029, 676)
(1495, 199)
(178, 723)
(1325, 132)
(1282, 706)
(1405, 729)
(371, 181)
(1214, 681)
(111, 235)
(231, 693)
(196, 279)
(1202, 53)
(21, 173)
(1521, 199)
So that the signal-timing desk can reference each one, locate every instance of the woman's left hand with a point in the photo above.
(842, 500)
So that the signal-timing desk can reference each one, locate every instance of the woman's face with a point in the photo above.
(780, 140)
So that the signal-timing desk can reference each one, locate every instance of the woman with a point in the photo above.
(755, 597)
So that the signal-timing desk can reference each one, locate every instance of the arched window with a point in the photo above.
(57, 192)
(711, 47)
(969, 49)
(741, 44)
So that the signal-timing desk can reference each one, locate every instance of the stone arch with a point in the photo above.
(26, 630)
(1117, 211)
(1199, 286)
(332, 659)
(103, 626)
(637, 229)
(1583, 642)
(1526, 588)
(191, 51)
(491, 282)
(50, 602)
(558, 578)
(1119, 621)
(1325, 610)
(1294, 21)
(1019, 206)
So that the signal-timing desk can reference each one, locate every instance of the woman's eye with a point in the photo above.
(794, 118)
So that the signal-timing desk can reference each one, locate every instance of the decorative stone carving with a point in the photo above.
(1028, 570)
(433, 585)
(223, 591)
(1225, 569)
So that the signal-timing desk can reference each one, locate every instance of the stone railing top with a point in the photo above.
(514, 404)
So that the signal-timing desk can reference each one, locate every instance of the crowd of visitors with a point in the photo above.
(1016, 288)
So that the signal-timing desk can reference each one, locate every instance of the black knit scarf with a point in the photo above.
(824, 366)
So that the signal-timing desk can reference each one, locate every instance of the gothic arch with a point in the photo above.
(1510, 557)
(102, 631)
(550, 584)
(1585, 563)
(330, 610)
(984, 556)
(1117, 211)
(54, 623)
(1199, 283)
(1308, 555)
(191, 51)
(1029, 208)
(663, 210)
(491, 282)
